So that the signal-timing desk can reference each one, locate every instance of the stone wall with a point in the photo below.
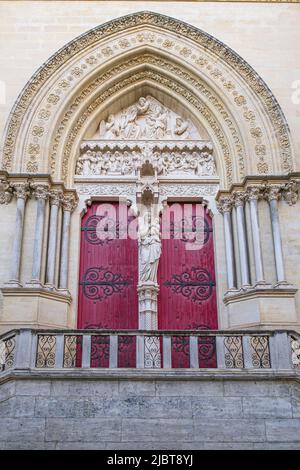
(145, 413)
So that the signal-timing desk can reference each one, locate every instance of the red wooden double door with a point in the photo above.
(109, 275)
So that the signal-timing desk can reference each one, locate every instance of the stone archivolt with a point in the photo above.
(56, 84)
(219, 137)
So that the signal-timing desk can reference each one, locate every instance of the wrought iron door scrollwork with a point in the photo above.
(112, 230)
(197, 225)
(195, 284)
(99, 283)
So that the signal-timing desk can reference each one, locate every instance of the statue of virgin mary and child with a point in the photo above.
(150, 251)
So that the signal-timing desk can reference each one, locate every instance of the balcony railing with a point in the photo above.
(115, 349)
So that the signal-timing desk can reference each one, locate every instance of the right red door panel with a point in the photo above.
(186, 276)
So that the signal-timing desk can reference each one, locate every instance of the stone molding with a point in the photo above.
(259, 291)
(157, 374)
(36, 292)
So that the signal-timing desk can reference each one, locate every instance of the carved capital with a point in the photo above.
(273, 192)
(225, 205)
(40, 191)
(55, 197)
(5, 192)
(69, 202)
(239, 198)
(254, 192)
(21, 190)
(291, 192)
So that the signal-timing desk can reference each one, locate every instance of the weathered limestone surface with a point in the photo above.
(118, 413)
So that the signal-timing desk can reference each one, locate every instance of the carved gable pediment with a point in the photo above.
(147, 119)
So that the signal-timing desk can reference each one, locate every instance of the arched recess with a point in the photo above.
(228, 98)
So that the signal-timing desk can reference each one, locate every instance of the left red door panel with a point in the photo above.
(108, 269)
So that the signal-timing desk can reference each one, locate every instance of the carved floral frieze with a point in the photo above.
(130, 189)
(106, 189)
(188, 190)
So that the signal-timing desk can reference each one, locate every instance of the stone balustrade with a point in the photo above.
(110, 349)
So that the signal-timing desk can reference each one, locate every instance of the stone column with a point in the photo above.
(68, 204)
(21, 190)
(272, 195)
(239, 199)
(55, 200)
(253, 194)
(41, 193)
(225, 207)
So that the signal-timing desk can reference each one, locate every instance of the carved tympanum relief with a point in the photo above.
(116, 162)
(147, 119)
(144, 132)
